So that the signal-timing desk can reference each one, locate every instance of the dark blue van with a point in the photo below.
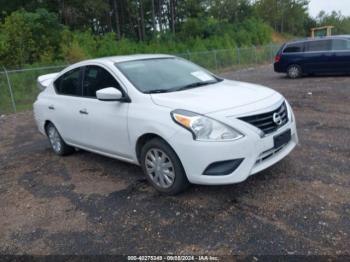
(326, 55)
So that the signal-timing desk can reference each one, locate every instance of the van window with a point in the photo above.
(318, 46)
(340, 44)
(294, 48)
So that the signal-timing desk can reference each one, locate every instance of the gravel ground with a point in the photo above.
(89, 204)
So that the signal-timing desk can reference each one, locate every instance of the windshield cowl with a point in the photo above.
(183, 88)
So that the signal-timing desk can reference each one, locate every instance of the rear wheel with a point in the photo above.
(294, 71)
(56, 141)
(163, 168)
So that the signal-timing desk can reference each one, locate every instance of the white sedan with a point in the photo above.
(179, 122)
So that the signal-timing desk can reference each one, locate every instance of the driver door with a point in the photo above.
(105, 123)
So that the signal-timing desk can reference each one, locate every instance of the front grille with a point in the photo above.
(265, 122)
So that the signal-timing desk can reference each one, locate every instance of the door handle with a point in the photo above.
(51, 107)
(83, 111)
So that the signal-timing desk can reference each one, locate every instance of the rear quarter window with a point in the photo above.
(69, 83)
(294, 48)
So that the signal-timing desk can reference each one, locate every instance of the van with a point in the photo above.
(326, 55)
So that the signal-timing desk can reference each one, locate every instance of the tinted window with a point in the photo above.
(69, 83)
(96, 78)
(339, 44)
(294, 48)
(316, 46)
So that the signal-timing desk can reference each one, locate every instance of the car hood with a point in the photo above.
(216, 97)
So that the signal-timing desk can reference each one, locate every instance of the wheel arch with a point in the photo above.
(294, 64)
(143, 139)
(46, 123)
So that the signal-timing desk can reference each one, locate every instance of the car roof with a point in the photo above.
(347, 37)
(127, 58)
(115, 59)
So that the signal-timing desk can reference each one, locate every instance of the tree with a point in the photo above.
(285, 16)
(341, 23)
(116, 17)
(232, 11)
(27, 36)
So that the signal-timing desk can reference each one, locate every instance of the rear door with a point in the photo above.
(104, 123)
(341, 55)
(65, 107)
(318, 56)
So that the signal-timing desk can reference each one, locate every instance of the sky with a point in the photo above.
(316, 6)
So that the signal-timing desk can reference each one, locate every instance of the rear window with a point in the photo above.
(294, 48)
(317, 46)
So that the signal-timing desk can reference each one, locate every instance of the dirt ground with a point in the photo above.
(90, 204)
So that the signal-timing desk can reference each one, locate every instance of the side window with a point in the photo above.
(294, 48)
(319, 46)
(340, 44)
(69, 83)
(96, 78)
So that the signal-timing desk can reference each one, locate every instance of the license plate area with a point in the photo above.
(282, 139)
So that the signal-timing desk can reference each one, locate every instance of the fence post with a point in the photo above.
(271, 53)
(256, 55)
(239, 56)
(216, 61)
(189, 55)
(10, 89)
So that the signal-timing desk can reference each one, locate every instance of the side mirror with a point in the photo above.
(109, 94)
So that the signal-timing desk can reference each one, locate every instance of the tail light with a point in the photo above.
(277, 58)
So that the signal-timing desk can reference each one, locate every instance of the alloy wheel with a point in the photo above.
(294, 72)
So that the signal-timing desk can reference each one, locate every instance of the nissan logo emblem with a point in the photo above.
(277, 119)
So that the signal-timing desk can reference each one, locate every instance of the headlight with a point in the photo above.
(204, 128)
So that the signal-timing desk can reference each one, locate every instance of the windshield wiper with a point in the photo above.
(189, 86)
(157, 91)
(194, 85)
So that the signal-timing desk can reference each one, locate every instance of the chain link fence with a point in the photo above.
(18, 88)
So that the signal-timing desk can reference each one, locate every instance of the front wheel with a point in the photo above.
(163, 168)
(56, 141)
(294, 71)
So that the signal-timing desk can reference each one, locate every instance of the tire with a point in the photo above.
(166, 174)
(57, 144)
(294, 71)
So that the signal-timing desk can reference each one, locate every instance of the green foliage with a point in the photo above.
(285, 16)
(29, 37)
(38, 37)
(48, 32)
(341, 23)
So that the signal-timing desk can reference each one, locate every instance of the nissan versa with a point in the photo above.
(181, 123)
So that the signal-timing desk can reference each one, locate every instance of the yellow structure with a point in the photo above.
(322, 31)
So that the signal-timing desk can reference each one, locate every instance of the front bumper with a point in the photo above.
(257, 152)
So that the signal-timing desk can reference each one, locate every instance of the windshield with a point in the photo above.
(165, 74)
